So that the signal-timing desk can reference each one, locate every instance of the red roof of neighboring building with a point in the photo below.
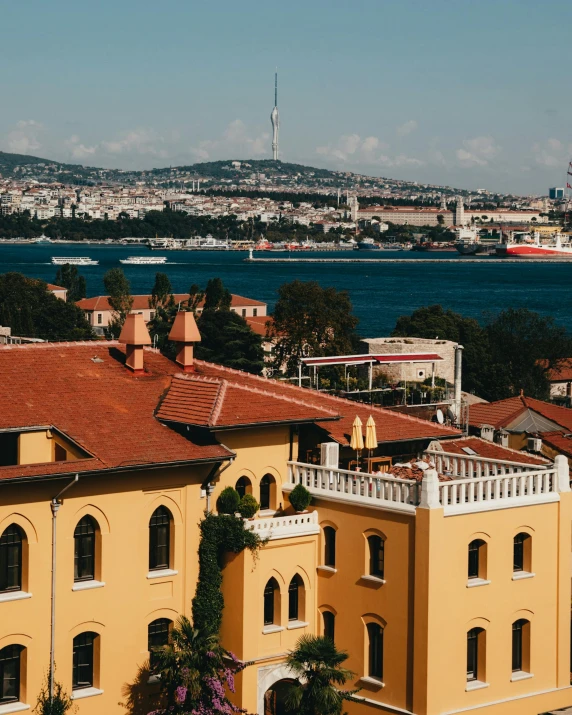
(141, 302)
(503, 412)
(51, 286)
(560, 441)
(562, 372)
(491, 450)
(258, 324)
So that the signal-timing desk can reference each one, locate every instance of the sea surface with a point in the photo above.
(380, 292)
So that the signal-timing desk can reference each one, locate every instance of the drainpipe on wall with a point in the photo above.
(458, 373)
(55, 505)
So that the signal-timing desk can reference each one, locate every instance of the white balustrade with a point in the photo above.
(344, 485)
(283, 527)
(468, 466)
(497, 492)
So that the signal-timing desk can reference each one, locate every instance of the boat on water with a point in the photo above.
(529, 245)
(468, 242)
(432, 247)
(367, 244)
(143, 260)
(74, 261)
(42, 239)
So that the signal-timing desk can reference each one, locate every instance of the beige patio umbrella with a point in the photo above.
(357, 437)
(370, 435)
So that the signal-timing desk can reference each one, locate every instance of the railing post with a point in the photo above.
(430, 490)
(562, 481)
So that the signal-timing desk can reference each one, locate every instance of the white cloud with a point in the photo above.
(551, 153)
(79, 150)
(477, 152)
(407, 128)
(399, 160)
(235, 140)
(352, 146)
(25, 138)
(136, 141)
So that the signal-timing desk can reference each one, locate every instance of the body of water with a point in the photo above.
(380, 292)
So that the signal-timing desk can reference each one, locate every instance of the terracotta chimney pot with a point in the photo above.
(185, 333)
(134, 335)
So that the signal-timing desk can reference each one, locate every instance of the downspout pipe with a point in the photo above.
(209, 486)
(55, 505)
(458, 382)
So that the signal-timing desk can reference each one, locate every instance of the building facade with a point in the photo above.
(449, 587)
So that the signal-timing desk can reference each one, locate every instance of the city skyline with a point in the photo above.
(464, 96)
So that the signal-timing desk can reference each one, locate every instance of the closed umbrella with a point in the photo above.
(370, 435)
(357, 437)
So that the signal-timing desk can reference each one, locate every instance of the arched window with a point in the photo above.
(477, 559)
(83, 660)
(375, 650)
(521, 646)
(266, 484)
(329, 624)
(160, 539)
(271, 602)
(84, 549)
(157, 636)
(243, 486)
(10, 658)
(11, 558)
(522, 549)
(294, 610)
(376, 555)
(475, 654)
(329, 546)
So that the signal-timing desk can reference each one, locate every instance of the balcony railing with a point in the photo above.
(284, 527)
(346, 486)
(467, 466)
(474, 492)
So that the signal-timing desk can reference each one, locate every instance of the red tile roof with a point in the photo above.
(259, 323)
(560, 441)
(562, 372)
(209, 402)
(141, 302)
(503, 412)
(391, 426)
(51, 286)
(491, 450)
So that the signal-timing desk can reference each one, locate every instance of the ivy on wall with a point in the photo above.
(220, 533)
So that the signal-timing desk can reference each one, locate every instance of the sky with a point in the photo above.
(453, 92)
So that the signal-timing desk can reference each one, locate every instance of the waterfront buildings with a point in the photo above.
(447, 582)
(412, 215)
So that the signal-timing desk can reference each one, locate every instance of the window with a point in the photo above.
(255, 312)
(270, 592)
(8, 449)
(157, 636)
(329, 624)
(375, 651)
(329, 546)
(10, 673)
(159, 539)
(244, 312)
(84, 549)
(266, 484)
(476, 553)
(83, 661)
(521, 559)
(11, 559)
(294, 598)
(243, 486)
(99, 318)
(473, 654)
(521, 645)
(151, 315)
(376, 555)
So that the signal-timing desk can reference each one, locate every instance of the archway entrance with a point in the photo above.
(275, 697)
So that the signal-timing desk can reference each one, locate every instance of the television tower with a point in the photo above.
(275, 119)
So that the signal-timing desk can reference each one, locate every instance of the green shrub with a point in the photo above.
(228, 501)
(248, 506)
(60, 705)
(300, 497)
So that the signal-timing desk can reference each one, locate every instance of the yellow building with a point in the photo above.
(448, 583)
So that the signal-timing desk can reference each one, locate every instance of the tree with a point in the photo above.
(227, 339)
(196, 672)
(311, 321)
(318, 665)
(440, 219)
(120, 298)
(162, 293)
(68, 277)
(217, 297)
(32, 311)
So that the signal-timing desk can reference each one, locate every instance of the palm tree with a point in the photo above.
(317, 664)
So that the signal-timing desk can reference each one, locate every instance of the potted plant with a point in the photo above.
(228, 501)
(300, 498)
(248, 506)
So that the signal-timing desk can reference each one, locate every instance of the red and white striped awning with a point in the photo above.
(367, 359)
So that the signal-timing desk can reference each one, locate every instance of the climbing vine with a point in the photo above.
(220, 533)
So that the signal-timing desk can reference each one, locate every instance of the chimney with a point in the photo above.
(185, 333)
(134, 335)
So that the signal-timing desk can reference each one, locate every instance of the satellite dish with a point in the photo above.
(440, 418)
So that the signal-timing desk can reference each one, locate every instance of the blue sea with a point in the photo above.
(380, 292)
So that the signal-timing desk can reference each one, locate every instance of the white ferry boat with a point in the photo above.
(143, 260)
(74, 261)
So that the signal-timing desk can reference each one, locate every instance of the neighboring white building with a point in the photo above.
(417, 372)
